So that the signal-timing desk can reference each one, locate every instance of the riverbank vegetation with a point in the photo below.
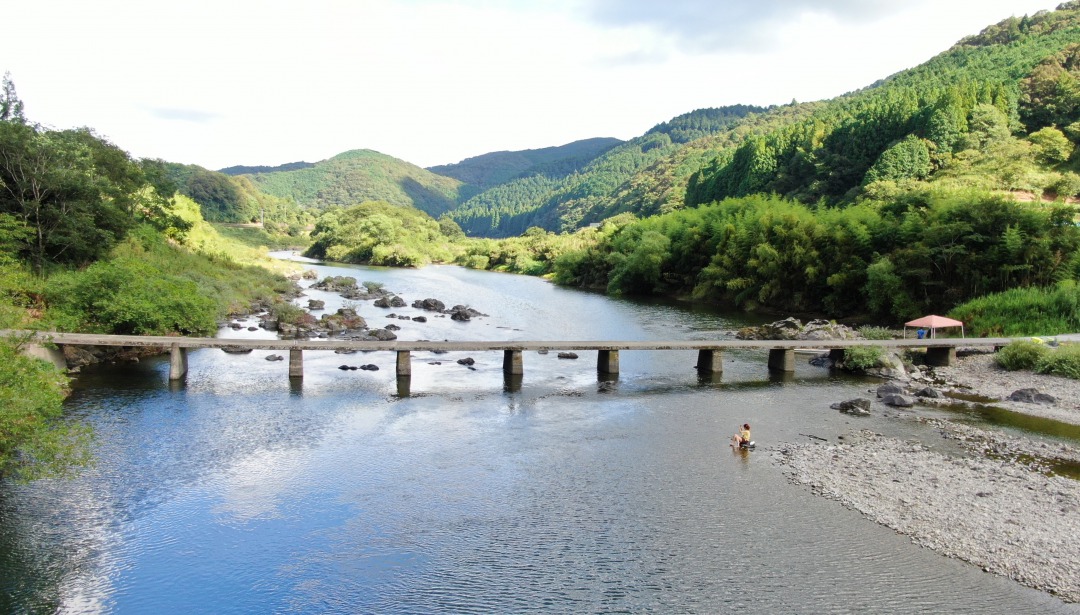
(93, 240)
(918, 252)
(379, 233)
(34, 439)
(1037, 356)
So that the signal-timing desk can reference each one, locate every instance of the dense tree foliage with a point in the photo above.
(224, 198)
(379, 233)
(924, 252)
(74, 194)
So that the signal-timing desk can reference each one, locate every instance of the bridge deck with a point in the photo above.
(90, 339)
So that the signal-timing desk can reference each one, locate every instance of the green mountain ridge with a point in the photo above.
(494, 168)
(362, 175)
(564, 201)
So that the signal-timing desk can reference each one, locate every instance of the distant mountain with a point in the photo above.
(242, 170)
(562, 199)
(492, 169)
(362, 175)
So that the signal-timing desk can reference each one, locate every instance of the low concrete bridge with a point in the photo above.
(939, 352)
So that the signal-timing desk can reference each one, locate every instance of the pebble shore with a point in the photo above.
(991, 501)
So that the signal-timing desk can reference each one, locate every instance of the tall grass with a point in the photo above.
(1035, 356)
(1064, 361)
(1023, 311)
(862, 357)
(1024, 354)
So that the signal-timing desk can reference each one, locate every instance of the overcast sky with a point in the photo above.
(226, 82)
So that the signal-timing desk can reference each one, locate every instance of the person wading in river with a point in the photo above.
(742, 437)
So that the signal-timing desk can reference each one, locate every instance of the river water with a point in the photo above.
(239, 491)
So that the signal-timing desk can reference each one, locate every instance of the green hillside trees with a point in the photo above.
(379, 233)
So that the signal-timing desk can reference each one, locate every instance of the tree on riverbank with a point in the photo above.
(92, 240)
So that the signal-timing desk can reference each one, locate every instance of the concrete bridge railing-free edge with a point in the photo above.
(940, 351)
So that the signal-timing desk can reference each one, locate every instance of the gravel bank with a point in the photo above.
(1000, 514)
(993, 502)
(978, 374)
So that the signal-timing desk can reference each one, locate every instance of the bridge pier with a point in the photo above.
(512, 382)
(710, 361)
(404, 386)
(607, 361)
(177, 362)
(940, 356)
(512, 363)
(296, 363)
(782, 359)
(836, 355)
(404, 364)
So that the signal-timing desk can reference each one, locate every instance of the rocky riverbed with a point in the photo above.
(979, 495)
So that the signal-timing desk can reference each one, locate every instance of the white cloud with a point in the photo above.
(436, 81)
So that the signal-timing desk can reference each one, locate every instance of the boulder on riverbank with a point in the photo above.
(794, 329)
(855, 407)
(429, 304)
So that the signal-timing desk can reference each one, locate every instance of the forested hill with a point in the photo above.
(488, 170)
(362, 175)
(564, 199)
(224, 198)
(953, 119)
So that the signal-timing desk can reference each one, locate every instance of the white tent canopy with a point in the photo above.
(933, 323)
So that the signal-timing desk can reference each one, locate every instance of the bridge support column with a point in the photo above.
(177, 362)
(710, 361)
(512, 363)
(940, 356)
(404, 364)
(836, 355)
(296, 363)
(53, 355)
(607, 361)
(782, 359)
(404, 386)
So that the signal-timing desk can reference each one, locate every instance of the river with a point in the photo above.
(239, 491)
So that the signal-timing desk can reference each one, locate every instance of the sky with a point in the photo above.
(266, 82)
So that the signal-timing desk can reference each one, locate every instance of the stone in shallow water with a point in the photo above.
(899, 401)
(857, 407)
(1032, 396)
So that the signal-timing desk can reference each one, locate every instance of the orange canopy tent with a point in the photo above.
(933, 322)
